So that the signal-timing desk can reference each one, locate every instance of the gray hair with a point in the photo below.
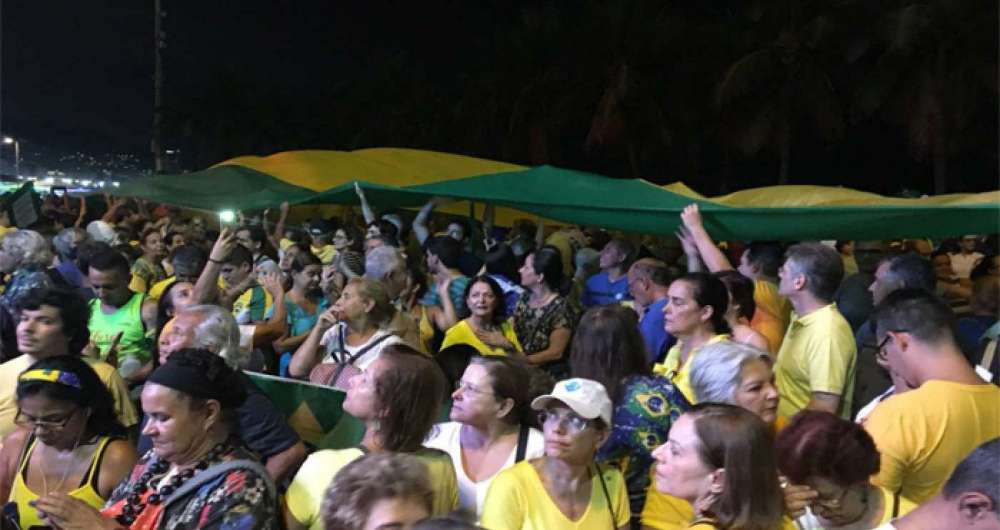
(64, 242)
(28, 247)
(218, 332)
(381, 262)
(717, 370)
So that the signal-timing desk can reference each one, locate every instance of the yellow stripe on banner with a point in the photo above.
(322, 170)
(795, 196)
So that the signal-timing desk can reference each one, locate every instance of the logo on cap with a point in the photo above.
(572, 386)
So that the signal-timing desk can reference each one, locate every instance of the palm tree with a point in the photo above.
(768, 95)
(935, 76)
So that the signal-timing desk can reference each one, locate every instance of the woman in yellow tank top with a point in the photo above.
(69, 441)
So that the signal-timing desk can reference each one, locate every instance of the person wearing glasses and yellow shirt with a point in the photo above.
(69, 442)
(564, 489)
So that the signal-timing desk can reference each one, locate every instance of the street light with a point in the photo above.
(17, 154)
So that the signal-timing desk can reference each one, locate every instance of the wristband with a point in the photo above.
(217, 262)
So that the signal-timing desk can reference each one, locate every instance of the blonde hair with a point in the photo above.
(374, 291)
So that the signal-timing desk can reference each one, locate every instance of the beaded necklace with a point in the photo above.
(134, 504)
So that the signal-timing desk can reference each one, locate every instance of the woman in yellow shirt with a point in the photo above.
(696, 314)
(836, 458)
(398, 399)
(486, 328)
(725, 372)
(563, 490)
(720, 458)
(70, 442)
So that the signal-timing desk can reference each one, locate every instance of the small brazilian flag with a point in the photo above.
(314, 411)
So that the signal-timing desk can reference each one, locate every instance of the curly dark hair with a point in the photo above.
(73, 310)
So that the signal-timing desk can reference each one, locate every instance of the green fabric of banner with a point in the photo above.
(576, 197)
(217, 188)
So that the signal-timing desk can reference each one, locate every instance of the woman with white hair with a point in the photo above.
(723, 372)
(737, 374)
(24, 248)
(27, 256)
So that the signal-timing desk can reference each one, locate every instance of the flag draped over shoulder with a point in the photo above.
(315, 411)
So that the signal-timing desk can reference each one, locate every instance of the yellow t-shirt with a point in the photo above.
(681, 375)
(462, 333)
(124, 409)
(156, 291)
(304, 498)
(325, 254)
(4, 230)
(818, 355)
(773, 312)
(924, 433)
(568, 241)
(665, 512)
(517, 500)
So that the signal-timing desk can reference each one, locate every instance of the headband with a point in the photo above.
(59, 377)
(203, 375)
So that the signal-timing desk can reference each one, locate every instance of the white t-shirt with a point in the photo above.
(472, 495)
(337, 348)
(962, 264)
(886, 526)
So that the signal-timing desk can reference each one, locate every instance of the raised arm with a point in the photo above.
(694, 263)
(113, 206)
(308, 355)
(279, 228)
(714, 259)
(276, 326)
(420, 221)
(366, 208)
(206, 289)
(83, 213)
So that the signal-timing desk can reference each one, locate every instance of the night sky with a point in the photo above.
(78, 75)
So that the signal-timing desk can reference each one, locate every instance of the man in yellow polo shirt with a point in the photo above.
(922, 434)
(816, 362)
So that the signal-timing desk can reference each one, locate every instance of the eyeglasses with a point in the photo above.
(832, 504)
(466, 387)
(880, 348)
(571, 422)
(29, 422)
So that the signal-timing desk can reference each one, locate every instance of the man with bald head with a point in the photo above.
(648, 281)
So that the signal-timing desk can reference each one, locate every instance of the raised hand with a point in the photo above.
(691, 216)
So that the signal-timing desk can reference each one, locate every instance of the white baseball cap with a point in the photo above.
(585, 397)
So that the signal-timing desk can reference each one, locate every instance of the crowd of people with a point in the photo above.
(522, 378)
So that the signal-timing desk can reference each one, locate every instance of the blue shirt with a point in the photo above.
(601, 291)
(658, 341)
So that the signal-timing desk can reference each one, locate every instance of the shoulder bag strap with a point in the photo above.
(607, 497)
(988, 354)
(341, 364)
(522, 443)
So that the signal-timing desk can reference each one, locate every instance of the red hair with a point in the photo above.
(820, 444)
